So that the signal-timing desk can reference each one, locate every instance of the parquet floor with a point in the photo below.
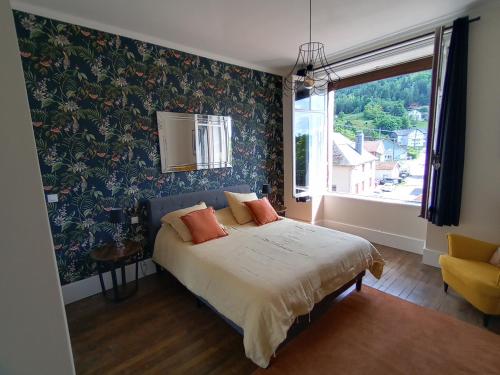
(160, 330)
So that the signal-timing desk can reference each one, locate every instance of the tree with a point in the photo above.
(388, 122)
(405, 121)
(383, 104)
(301, 151)
(398, 109)
(346, 130)
(412, 152)
(408, 89)
(373, 110)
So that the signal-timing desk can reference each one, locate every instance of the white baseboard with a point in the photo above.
(431, 257)
(398, 241)
(90, 286)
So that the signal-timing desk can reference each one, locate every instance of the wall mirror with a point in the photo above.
(191, 142)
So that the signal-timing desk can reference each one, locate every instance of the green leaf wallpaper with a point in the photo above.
(93, 98)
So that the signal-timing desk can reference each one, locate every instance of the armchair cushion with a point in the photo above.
(470, 248)
(481, 277)
(495, 258)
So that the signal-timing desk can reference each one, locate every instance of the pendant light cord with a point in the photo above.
(310, 20)
(309, 52)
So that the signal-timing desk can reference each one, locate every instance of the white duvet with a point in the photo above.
(262, 278)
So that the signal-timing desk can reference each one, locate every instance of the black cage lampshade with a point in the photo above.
(116, 216)
(265, 189)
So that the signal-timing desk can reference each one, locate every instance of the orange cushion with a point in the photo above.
(203, 225)
(262, 211)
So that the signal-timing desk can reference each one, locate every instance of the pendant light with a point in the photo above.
(311, 73)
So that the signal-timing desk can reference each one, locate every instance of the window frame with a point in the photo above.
(324, 112)
(413, 66)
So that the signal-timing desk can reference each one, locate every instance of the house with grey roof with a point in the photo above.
(410, 137)
(393, 151)
(353, 167)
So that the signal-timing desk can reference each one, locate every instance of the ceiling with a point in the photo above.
(261, 34)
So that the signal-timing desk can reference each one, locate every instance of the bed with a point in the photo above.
(260, 279)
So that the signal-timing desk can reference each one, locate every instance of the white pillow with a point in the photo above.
(240, 211)
(174, 220)
(495, 258)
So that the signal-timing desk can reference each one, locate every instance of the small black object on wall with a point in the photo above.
(265, 189)
(303, 199)
(116, 216)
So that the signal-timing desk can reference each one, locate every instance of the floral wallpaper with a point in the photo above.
(93, 99)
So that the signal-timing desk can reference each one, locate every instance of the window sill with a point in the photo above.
(372, 199)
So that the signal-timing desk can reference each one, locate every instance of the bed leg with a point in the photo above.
(158, 268)
(359, 281)
(486, 320)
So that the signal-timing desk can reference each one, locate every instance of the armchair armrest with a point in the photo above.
(470, 248)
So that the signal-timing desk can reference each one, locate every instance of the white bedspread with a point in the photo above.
(262, 278)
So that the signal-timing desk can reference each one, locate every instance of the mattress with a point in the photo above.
(263, 277)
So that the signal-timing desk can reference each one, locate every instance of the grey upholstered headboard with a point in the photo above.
(156, 208)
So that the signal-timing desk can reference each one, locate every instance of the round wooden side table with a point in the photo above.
(280, 210)
(110, 257)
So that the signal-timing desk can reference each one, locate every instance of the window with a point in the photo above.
(309, 143)
(376, 133)
(382, 123)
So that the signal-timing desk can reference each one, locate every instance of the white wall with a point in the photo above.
(341, 177)
(386, 223)
(358, 176)
(480, 212)
(33, 332)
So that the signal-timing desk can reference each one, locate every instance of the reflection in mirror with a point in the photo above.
(190, 142)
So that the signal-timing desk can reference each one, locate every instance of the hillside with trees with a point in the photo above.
(380, 107)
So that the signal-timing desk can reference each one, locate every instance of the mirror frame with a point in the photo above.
(197, 120)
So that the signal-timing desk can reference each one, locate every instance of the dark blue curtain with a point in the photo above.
(446, 189)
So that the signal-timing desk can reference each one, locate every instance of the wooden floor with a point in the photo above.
(160, 330)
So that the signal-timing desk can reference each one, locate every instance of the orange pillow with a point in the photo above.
(262, 211)
(203, 225)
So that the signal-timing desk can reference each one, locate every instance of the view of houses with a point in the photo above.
(380, 168)
(380, 136)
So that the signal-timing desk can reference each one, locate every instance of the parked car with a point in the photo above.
(387, 187)
(404, 174)
(393, 181)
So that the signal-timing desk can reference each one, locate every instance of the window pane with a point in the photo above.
(318, 103)
(303, 103)
(379, 139)
(309, 149)
(302, 141)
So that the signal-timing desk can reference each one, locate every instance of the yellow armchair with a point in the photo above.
(467, 271)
